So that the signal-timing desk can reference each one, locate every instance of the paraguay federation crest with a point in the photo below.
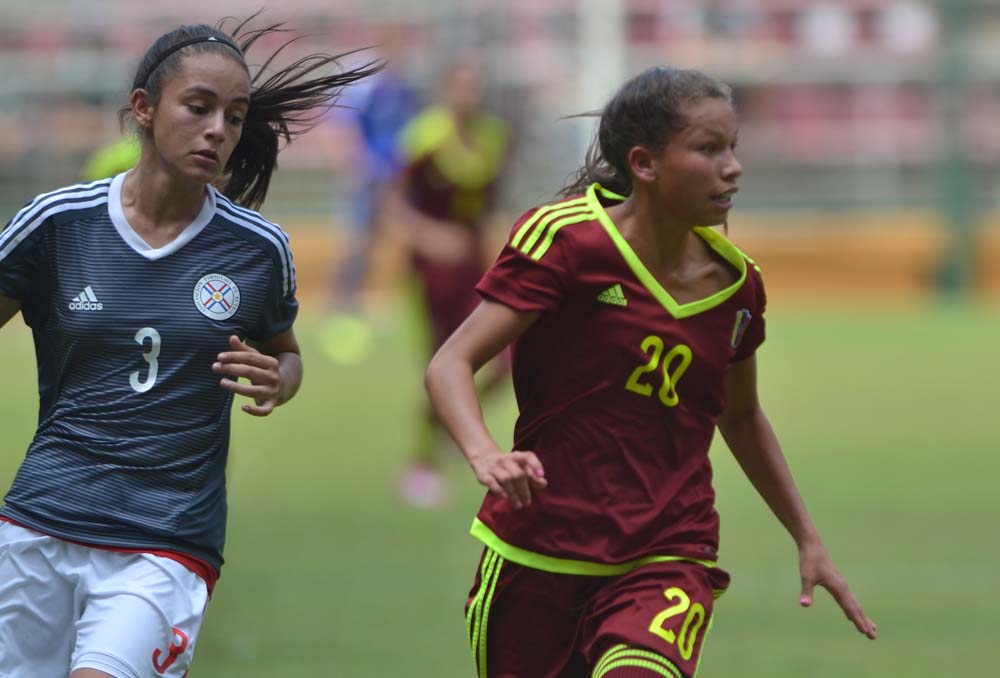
(216, 296)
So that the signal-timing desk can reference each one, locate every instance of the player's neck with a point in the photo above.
(157, 206)
(662, 243)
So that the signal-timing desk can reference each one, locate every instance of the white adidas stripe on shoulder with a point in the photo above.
(253, 221)
(65, 191)
(251, 214)
(34, 214)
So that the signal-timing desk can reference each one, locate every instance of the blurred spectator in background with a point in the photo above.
(907, 27)
(112, 159)
(454, 153)
(373, 115)
(827, 29)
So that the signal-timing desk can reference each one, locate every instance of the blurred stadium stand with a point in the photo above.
(870, 128)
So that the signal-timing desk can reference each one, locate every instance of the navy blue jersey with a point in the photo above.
(133, 427)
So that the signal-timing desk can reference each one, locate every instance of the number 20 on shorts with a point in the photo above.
(671, 375)
(693, 621)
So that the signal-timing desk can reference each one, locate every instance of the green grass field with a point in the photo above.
(888, 420)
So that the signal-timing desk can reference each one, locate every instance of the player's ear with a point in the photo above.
(642, 164)
(142, 108)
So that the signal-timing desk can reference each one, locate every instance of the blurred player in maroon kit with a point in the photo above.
(454, 153)
(634, 328)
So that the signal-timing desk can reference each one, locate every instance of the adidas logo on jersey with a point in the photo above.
(86, 301)
(613, 295)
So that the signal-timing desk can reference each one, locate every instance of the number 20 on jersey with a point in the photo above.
(673, 366)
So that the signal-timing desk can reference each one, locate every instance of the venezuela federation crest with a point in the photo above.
(743, 317)
(216, 296)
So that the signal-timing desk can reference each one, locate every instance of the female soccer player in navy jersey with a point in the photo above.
(634, 327)
(150, 295)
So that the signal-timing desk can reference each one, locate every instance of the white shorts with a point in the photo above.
(65, 607)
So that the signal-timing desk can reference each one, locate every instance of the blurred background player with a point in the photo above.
(454, 153)
(371, 116)
(112, 159)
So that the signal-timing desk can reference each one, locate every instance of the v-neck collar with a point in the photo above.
(715, 240)
(140, 246)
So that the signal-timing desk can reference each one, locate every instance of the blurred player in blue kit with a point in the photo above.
(373, 114)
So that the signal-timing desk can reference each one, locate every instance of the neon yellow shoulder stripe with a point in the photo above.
(558, 209)
(550, 234)
(540, 230)
(546, 563)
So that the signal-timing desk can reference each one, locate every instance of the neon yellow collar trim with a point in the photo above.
(714, 239)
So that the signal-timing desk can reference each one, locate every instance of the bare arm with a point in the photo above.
(8, 309)
(273, 368)
(435, 239)
(749, 435)
(452, 390)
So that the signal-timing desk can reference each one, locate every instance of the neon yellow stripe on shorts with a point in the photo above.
(472, 616)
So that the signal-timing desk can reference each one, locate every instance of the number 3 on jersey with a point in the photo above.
(668, 390)
(150, 356)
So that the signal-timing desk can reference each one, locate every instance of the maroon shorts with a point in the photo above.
(527, 623)
(449, 292)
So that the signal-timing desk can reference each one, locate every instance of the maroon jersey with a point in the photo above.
(618, 388)
(449, 177)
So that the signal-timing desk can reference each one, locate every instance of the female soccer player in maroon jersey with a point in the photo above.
(634, 327)
(454, 153)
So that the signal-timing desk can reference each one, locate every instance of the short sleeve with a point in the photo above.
(424, 133)
(529, 274)
(23, 261)
(280, 308)
(754, 334)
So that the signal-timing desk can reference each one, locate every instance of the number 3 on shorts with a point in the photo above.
(685, 639)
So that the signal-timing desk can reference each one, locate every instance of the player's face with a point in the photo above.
(465, 88)
(199, 117)
(697, 171)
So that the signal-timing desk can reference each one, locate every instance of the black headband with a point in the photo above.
(186, 43)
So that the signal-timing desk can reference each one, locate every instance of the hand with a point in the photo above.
(816, 567)
(261, 370)
(511, 476)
